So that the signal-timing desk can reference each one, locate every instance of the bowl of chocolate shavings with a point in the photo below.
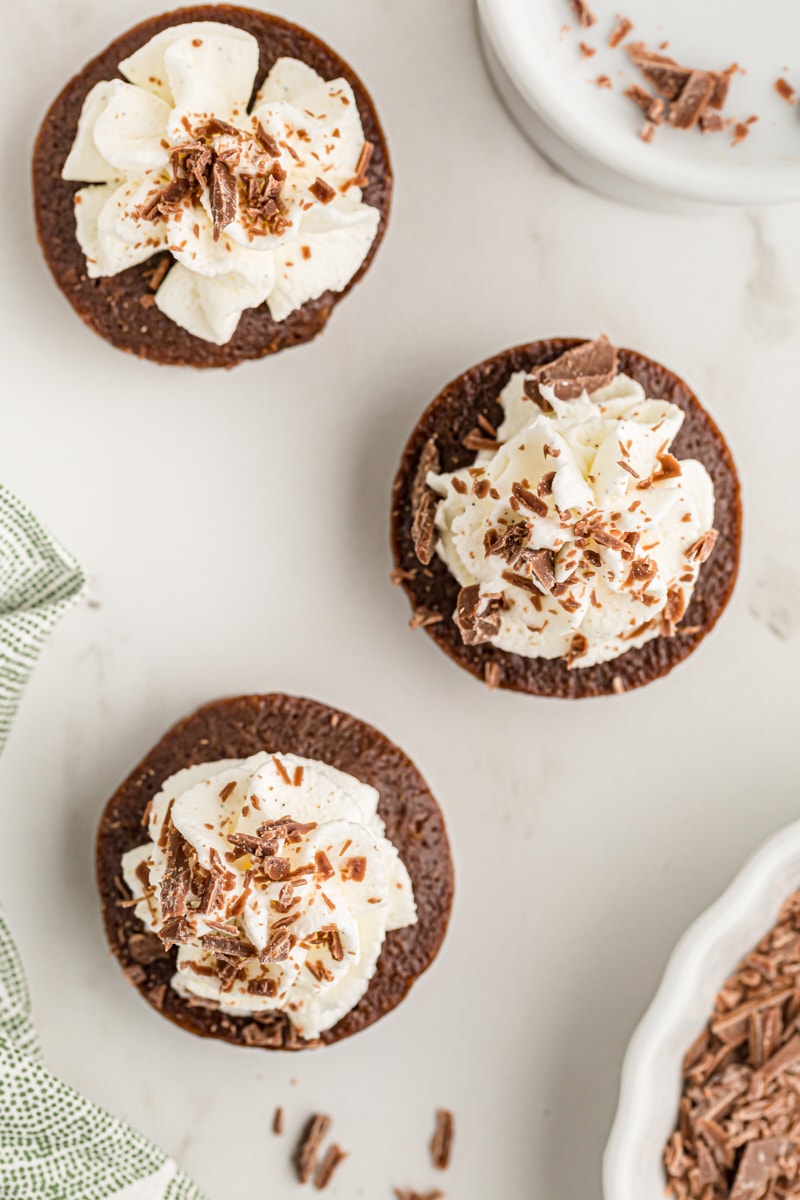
(709, 1105)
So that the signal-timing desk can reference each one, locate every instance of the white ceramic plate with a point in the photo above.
(704, 958)
(592, 133)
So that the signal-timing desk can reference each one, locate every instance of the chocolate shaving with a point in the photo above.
(529, 500)
(542, 567)
(477, 616)
(424, 503)
(492, 675)
(222, 196)
(355, 869)
(587, 367)
(226, 947)
(700, 551)
(267, 141)
(277, 1121)
(620, 31)
(177, 877)
(322, 191)
(334, 1156)
(308, 1150)
(694, 96)
(278, 948)
(586, 17)
(442, 1141)
(785, 90)
(145, 948)
(364, 159)
(477, 440)
(167, 200)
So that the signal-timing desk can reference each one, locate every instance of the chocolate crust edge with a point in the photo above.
(236, 728)
(111, 306)
(451, 416)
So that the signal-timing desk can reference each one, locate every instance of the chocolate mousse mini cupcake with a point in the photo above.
(210, 186)
(566, 520)
(274, 873)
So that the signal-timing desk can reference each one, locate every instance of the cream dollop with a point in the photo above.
(580, 536)
(254, 206)
(275, 880)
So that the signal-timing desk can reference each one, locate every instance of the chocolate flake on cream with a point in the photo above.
(477, 616)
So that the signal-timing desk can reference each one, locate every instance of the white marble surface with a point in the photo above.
(235, 526)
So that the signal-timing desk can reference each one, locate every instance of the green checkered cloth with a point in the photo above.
(54, 1144)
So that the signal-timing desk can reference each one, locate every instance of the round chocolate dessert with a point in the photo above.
(240, 942)
(206, 167)
(456, 448)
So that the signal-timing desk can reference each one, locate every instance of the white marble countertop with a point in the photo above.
(189, 498)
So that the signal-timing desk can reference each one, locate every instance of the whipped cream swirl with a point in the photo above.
(273, 877)
(254, 206)
(577, 535)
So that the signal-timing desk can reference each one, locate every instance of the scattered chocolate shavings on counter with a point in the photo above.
(310, 1144)
(277, 1121)
(334, 1156)
(423, 503)
(737, 1135)
(442, 1142)
(586, 17)
(741, 130)
(587, 367)
(785, 90)
(619, 32)
(477, 616)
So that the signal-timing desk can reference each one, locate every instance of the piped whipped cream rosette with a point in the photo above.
(578, 534)
(256, 203)
(274, 879)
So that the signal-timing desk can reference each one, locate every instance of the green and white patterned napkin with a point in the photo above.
(38, 582)
(54, 1144)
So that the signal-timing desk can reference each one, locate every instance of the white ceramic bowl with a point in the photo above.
(592, 134)
(703, 959)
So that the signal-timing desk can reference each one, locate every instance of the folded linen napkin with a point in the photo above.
(54, 1144)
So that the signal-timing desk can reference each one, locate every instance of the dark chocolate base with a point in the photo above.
(237, 728)
(433, 589)
(113, 306)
